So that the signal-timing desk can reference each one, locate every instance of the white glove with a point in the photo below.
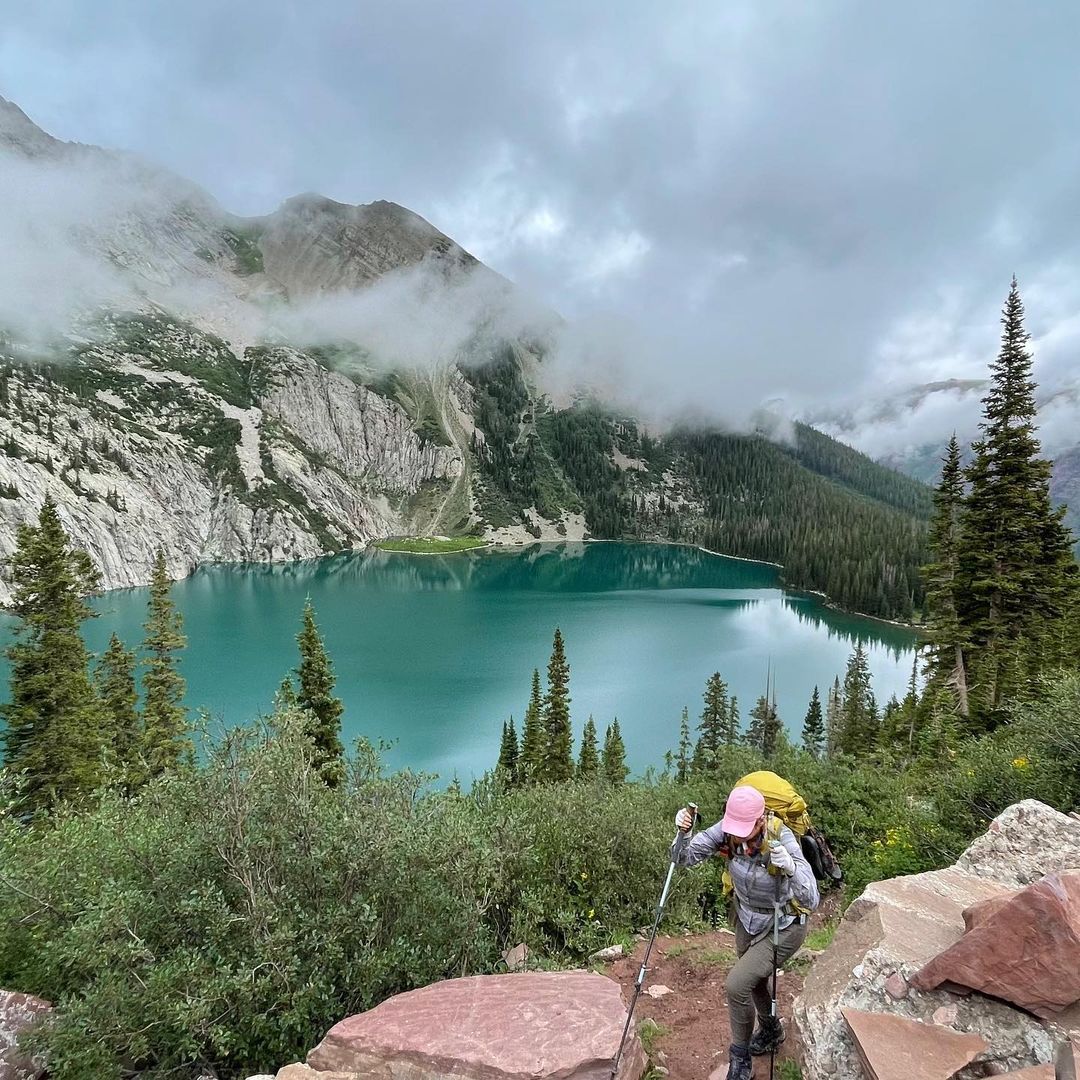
(684, 820)
(781, 858)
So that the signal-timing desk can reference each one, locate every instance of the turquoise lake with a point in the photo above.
(434, 652)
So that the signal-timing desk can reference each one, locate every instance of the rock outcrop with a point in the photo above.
(1024, 948)
(18, 1013)
(313, 244)
(1048, 1072)
(899, 926)
(563, 1025)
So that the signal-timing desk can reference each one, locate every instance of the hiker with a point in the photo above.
(743, 837)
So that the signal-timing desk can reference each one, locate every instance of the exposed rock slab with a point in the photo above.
(897, 927)
(18, 1013)
(564, 1024)
(895, 1048)
(1024, 948)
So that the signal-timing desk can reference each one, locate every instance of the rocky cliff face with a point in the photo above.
(154, 408)
(313, 244)
(139, 457)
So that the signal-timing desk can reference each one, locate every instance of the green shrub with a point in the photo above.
(227, 917)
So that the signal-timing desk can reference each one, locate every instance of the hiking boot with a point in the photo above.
(740, 1067)
(768, 1036)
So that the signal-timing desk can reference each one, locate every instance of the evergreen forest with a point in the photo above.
(834, 520)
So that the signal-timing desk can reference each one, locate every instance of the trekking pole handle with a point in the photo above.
(683, 834)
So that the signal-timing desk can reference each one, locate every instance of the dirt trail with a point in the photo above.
(695, 1014)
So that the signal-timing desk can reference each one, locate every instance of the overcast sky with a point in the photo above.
(798, 200)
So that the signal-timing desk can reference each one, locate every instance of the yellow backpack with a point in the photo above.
(785, 806)
(781, 799)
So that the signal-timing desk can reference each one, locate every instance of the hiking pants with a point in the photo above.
(749, 982)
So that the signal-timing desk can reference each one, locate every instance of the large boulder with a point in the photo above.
(898, 926)
(1024, 948)
(564, 1024)
(18, 1013)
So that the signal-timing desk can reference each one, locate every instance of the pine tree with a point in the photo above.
(909, 717)
(533, 742)
(119, 700)
(813, 729)
(588, 764)
(315, 678)
(772, 733)
(759, 719)
(940, 732)
(713, 725)
(558, 760)
(858, 714)
(613, 760)
(731, 729)
(832, 719)
(889, 733)
(285, 697)
(1015, 568)
(508, 753)
(165, 732)
(55, 736)
(684, 760)
(945, 661)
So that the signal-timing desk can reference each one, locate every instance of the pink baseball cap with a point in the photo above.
(744, 806)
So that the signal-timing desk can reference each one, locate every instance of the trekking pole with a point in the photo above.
(775, 969)
(679, 836)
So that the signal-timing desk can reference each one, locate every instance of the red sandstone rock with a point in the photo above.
(18, 1013)
(1024, 949)
(563, 1024)
(895, 1048)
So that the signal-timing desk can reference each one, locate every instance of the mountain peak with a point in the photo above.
(18, 132)
(314, 244)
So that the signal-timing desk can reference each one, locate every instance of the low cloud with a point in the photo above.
(418, 317)
(47, 277)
